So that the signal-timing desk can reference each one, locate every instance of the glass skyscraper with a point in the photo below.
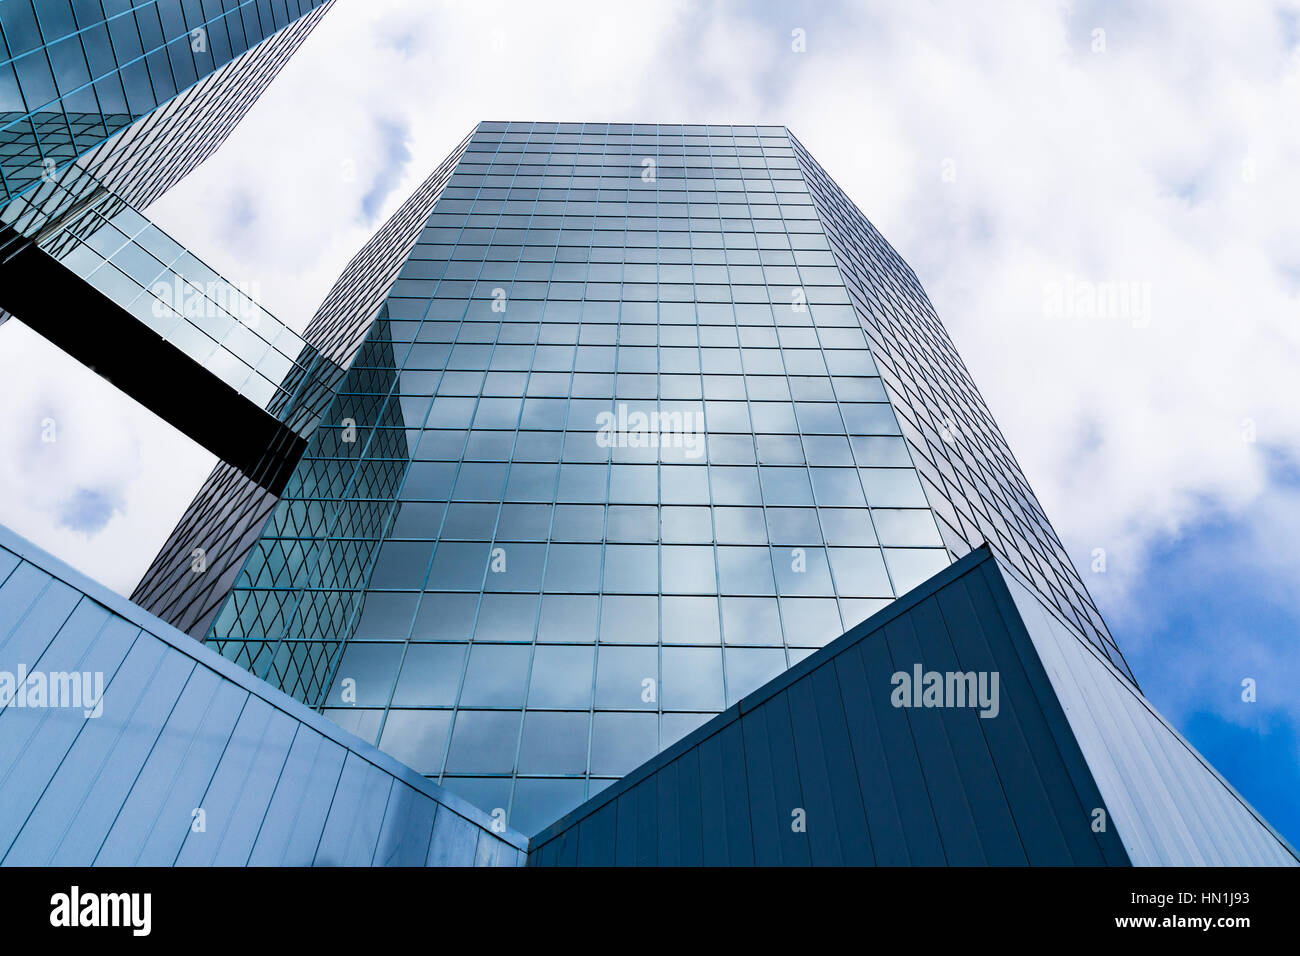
(648, 414)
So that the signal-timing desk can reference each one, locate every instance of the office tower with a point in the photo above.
(494, 561)
(75, 73)
(150, 156)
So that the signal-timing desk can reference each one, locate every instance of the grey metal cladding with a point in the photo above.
(1170, 807)
(192, 761)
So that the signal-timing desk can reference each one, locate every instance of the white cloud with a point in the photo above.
(86, 473)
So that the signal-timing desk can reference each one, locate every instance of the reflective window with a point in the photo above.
(749, 668)
(496, 676)
(418, 738)
(554, 742)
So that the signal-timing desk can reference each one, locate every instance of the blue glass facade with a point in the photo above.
(230, 508)
(467, 569)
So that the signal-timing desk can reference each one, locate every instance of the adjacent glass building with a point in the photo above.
(164, 320)
(74, 73)
(495, 562)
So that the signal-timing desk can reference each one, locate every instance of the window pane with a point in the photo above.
(386, 616)
(745, 571)
(622, 742)
(860, 571)
(749, 668)
(418, 738)
(632, 568)
(629, 619)
(366, 671)
(910, 567)
(692, 678)
(445, 617)
(554, 743)
(810, 622)
(495, 676)
(751, 621)
(561, 677)
(690, 620)
(483, 741)
(625, 676)
(506, 617)
(688, 570)
(568, 618)
(430, 675)
(907, 528)
(539, 803)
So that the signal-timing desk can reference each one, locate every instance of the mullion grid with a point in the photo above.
(325, 544)
(580, 164)
(602, 605)
(871, 508)
(394, 506)
(606, 515)
(470, 640)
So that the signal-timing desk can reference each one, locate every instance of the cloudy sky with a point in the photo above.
(1017, 155)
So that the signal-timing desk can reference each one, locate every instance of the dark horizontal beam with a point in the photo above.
(102, 335)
